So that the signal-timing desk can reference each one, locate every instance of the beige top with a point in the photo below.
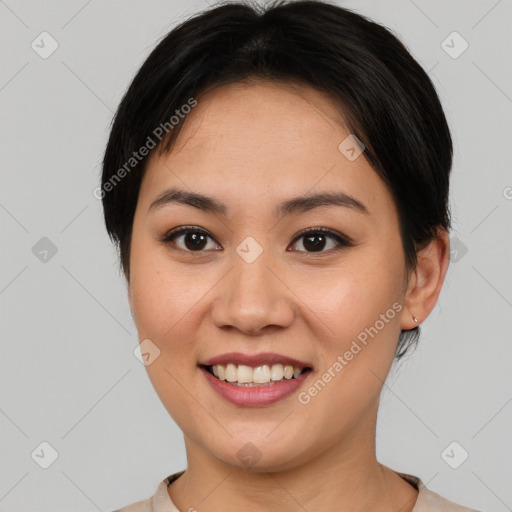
(427, 501)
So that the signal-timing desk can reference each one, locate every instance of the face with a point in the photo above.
(246, 280)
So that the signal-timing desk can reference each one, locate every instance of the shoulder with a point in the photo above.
(159, 502)
(139, 506)
(430, 501)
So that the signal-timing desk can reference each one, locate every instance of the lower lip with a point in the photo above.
(255, 396)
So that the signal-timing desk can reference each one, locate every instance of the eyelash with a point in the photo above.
(342, 241)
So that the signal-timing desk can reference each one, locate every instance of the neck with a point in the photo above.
(345, 476)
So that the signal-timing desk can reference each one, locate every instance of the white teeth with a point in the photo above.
(231, 373)
(288, 372)
(264, 374)
(260, 374)
(276, 373)
(244, 373)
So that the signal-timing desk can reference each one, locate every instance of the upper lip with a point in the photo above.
(268, 358)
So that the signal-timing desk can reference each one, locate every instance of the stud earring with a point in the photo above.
(415, 319)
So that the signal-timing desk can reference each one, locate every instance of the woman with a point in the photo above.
(277, 183)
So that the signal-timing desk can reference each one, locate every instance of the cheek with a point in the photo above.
(163, 300)
(357, 309)
(161, 293)
(159, 302)
(351, 298)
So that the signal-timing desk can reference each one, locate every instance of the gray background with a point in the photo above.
(68, 373)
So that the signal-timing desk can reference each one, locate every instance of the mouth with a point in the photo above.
(259, 376)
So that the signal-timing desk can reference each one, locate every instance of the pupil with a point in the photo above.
(199, 240)
(315, 246)
(196, 240)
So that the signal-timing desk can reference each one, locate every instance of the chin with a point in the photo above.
(257, 455)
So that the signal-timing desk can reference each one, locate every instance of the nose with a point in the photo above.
(253, 298)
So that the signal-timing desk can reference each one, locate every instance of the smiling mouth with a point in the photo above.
(246, 376)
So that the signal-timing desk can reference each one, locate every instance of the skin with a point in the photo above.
(251, 146)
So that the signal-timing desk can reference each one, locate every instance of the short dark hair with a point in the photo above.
(387, 99)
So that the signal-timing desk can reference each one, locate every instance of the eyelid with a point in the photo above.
(343, 240)
(183, 230)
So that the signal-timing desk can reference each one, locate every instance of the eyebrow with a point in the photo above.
(291, 206)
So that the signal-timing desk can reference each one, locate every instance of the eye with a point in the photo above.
(315, 239)
(195, 239)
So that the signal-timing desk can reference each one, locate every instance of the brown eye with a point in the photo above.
(316, 239)
(194, 239)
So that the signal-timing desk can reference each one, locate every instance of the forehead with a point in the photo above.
(247, 142)
(246, 115)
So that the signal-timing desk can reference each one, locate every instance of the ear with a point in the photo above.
(426, 281)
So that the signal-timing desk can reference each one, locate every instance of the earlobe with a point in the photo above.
(427, 280)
